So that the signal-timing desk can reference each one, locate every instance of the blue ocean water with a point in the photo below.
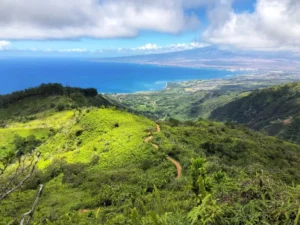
(18, 74)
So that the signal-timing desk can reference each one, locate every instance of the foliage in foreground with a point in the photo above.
(97, 170)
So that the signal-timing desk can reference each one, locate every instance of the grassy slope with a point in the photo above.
(97, 159)
(41, 129)
(113, 138)
(276, 110)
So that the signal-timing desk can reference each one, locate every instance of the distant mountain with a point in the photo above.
(275, 110)
(218, 58)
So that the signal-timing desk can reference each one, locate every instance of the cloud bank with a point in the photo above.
(144, 49)
(56, 19)
(274, 25)
(154, 48)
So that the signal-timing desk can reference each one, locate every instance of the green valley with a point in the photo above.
(191, 100)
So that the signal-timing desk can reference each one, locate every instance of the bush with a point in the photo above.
(95, 160)
(2, 124)
(60, 107)
(25, 145)
(74, 174)
(54, 170)
(173, 122)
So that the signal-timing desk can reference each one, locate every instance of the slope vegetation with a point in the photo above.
(97, 168)
(276, 110)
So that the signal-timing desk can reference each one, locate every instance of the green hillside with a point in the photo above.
(25, 105)
(275, 110)
(106, 166)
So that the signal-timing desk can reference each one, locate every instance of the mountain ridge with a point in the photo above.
(275, 110)
(213, 57)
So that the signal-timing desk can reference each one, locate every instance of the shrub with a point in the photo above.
(74, 174)
(60, 107)
(78, 132)
(3, 123)
(94, 160)
(25, 145)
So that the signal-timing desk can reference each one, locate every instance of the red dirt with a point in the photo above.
(155, 146)
(148, 139)
(178, 166)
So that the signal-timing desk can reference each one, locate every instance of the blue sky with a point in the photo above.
(127, 27)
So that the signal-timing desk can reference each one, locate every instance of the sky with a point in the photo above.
(104, 28)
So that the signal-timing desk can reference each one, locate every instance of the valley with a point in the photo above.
(190, 100)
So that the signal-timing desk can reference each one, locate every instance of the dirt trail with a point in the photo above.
(177, 164)
(157, 128)
(148, 139)
(155, 146)
(84, 210)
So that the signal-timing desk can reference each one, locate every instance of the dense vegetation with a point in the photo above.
(46, 97)
(45, 90)
(97, 169)
(275, 110)
(191, 100)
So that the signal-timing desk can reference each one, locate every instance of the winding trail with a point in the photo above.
(178, 166)
(147, 140)
(176, 163)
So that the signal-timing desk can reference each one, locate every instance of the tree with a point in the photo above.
(11, 181)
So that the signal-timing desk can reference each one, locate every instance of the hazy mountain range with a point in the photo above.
(218, 58)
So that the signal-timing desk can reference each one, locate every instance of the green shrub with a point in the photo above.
(60, 107)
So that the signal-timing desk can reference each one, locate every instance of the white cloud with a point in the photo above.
(154, 48)
(149, 47)
(78, 50)
(144, 49)
(36, 19)
(274, 25)
(187, 46)
(4, 45)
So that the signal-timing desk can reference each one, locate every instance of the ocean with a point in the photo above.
(18, 74)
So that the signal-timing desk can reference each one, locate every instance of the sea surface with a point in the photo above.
(18, 74)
